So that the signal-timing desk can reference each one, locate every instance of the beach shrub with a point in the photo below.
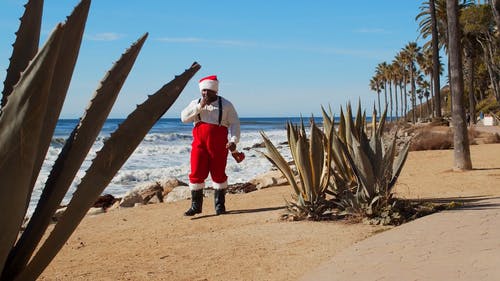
(428, 138)
(438, 138)
(492, 138)
(34, 90)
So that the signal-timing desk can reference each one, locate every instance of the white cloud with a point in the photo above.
(295, 47)
(105, 36)
(195, 40)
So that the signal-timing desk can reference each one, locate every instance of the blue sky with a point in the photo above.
(273, 57)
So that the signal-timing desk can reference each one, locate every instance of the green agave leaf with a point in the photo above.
(25, 47)
(328, 123)
(374, 121)
(349, 126)
(327, 144)
(387, 163)
(341, 162)
(108, 161)
(317, 157)
(20, 126)
(72, 155)
(279, 162)
(342, 127)
(293, 135)
(302, 130)
(358, 123)
(376, 147)
(380, 129)
(345, 152)
(365, 168)
(398, 166)
(68, 54)
(304, 167)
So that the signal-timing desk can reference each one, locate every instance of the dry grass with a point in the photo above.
(437, 137)
(427, 138)
(492, 138)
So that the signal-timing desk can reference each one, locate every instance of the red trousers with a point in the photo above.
(208, 155)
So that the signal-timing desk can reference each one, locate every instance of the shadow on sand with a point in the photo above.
(244, 211)
(478, 202)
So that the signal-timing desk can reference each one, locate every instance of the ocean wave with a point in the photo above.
(165, 154)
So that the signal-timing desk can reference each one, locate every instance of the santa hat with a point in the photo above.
(209, 83)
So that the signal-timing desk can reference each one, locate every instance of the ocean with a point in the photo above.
(164, 153)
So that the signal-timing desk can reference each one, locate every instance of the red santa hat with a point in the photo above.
(209, 83)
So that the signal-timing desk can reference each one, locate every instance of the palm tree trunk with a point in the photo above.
(496, 11)
(403, 113)
(378, 96)
(406, 101)
(413, 95)
(435, 60)
(462, 159)
(428, 109)
(472, 102)
(432, 100)
(396, 99)
(385, 94)
(390, 97)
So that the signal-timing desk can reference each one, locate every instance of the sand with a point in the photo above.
(156, 242)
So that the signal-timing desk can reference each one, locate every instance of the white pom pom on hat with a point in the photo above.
(209, 83)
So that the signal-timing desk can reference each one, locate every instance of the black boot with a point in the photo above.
(196, 203)
(220, 200)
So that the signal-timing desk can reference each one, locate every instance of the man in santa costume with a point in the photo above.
(213, 117)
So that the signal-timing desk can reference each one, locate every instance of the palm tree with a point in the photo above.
(462, 159)
(432, 21)
(376, 85)
(426, 65)
(389, 78)
(382, 71)
(420, 97)
(402, 60)
(424, 86)
(429, 108)
(396, 78)
(412, 52)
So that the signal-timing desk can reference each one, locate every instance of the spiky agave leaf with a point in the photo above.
(25, 47)
(20, 126)
(303, 164)
(359, 122)
(376, 146)
(68, 54)
(398, 166)
(363, 165)
(107, 162)
(317, 158)
(71, 157)
(292, 132)
(279, 162)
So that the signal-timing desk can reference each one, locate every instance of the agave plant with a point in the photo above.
(313, 168)
(365, 169)
(34, 91)
(340, 167)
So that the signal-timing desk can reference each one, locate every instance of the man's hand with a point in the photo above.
(207, 97)
(203, 102)
(231, 146)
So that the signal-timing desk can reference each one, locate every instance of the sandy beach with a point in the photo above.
(156, 242)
